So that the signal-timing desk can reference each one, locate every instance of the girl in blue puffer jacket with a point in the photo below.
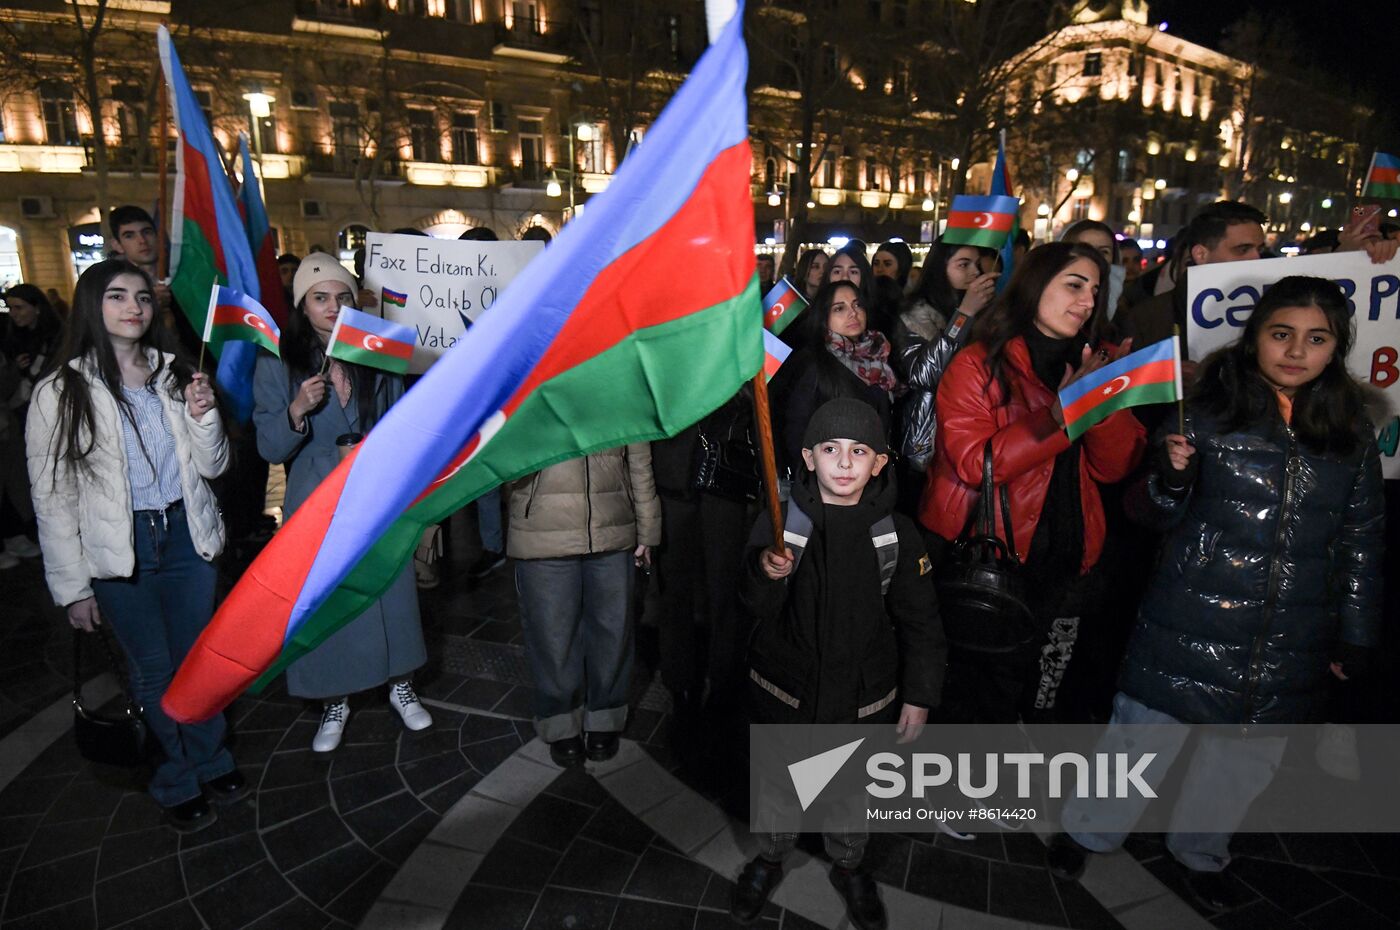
(1269, 582)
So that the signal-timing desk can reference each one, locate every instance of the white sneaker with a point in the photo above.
(333, 719)
(7, 560)
(402, 699)
(1336, 751)
(21, 547)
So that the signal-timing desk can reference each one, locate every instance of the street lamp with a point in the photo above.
(775, 199)
(260, 106)
(1043, 210)
(1285, 197)
(928, 203)
(1160, 184)
(1072, 175)
(1326, 203)
(552, 189)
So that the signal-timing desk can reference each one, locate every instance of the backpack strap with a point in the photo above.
(885, 538)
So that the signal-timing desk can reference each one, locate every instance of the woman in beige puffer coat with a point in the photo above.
(577, 529)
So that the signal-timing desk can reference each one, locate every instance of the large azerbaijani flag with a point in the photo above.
(208, 243)
(259, 230)
(1001, 187)
(1383, 178)
(985, 222)
(1147, 376)
(608, 339)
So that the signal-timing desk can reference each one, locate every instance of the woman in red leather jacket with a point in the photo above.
(1040, 335)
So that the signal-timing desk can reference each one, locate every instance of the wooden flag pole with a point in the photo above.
(763, 417)
(162, 214)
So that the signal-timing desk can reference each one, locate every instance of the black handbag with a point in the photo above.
(981, 591)
(726, 465)
(110, 737)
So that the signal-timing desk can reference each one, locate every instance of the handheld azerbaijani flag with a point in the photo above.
(775, 352)
(365, 339)
(1383, 180)
(781, 305)
(1147, 376)
(985, 222)
(394, 299)
(234, 316)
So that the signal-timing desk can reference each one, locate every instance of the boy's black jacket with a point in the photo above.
(826, 636)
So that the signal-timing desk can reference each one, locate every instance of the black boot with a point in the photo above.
(1214, 891)
(602, 746)
(753, 888)
(567, 752)
(1065, 857)
(862, 894)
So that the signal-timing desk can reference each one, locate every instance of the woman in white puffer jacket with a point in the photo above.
(121, 440)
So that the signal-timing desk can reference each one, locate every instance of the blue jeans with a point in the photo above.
(488, 521)
(578, 637)
(1223, 778)
(157, 614)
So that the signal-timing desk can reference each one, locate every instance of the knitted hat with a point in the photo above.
(318, 267)
(845, 418)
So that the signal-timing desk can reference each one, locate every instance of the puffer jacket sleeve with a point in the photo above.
(967, 420)
(1358, 549)
(922, 362)
(1148, 501)
(208, 442)
(913, 605)
(277, 441)
(645, 503)
(54, 487)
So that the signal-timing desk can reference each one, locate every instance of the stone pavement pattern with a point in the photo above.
(325, 839)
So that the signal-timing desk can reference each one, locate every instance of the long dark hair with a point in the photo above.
(1327, 411)
(856, 253)
(1014, 310)
(933, 287)
(804, 266)
(903, 258)
(303, 354)
(833, 378)
(85, 337)
(47, 325)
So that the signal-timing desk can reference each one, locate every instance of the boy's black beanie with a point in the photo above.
(845, 418)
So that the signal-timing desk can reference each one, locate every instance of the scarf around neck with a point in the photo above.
(867, 358)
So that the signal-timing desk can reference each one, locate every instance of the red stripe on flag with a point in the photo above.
(198, 202)
(354, 336)
(966, 219)
(227, 659)
(234, 315)
(1381, 175)
(780, 306)
(1151, 373)
(595, 325)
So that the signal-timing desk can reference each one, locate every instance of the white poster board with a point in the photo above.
(439, 286)
(1221, 297)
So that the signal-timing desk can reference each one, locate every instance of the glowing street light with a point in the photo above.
(1072, 175)
(1326, 203)
(775, 199)
(928, 204)
(1285, 197)
(585, 132)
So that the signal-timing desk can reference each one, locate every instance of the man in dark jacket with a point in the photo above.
(847, 633)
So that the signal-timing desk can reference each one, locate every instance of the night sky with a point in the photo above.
(1357, 41)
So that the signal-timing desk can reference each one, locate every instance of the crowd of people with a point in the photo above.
(1244, 542)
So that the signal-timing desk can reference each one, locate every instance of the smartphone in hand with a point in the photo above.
(1365, 221)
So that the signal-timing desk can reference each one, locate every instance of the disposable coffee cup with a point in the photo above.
(345, 443)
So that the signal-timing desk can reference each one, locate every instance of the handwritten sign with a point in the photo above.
(439, 286)
(1221, 297)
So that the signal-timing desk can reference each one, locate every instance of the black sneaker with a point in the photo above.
(1214, 891)
(1065, 857)
(191, 816)
(753, 888)
(602, 746)
(486, 563)
(567, 752)
(862, 895)
(227, 789)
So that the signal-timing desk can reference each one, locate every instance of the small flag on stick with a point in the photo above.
(985, 222)
(393, 298)
(1383, 180)
(234, 316)
(1147, 376)
(781, 305)
(775, 352)
(365, 339)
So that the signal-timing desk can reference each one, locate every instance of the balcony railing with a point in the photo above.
(537, 39)
(345, 163)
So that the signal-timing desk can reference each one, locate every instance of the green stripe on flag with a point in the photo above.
(1391, 191)
(788, 318)
(361, 356)
(982, 238)
(1161, 392)
(221, 334)
(195, 277)
(656, 382)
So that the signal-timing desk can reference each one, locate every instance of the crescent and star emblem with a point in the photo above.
(254, 321)
(982, 220)
(373, 343)
(1118, 384)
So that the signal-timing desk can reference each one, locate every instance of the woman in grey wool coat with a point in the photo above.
(299, 415)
